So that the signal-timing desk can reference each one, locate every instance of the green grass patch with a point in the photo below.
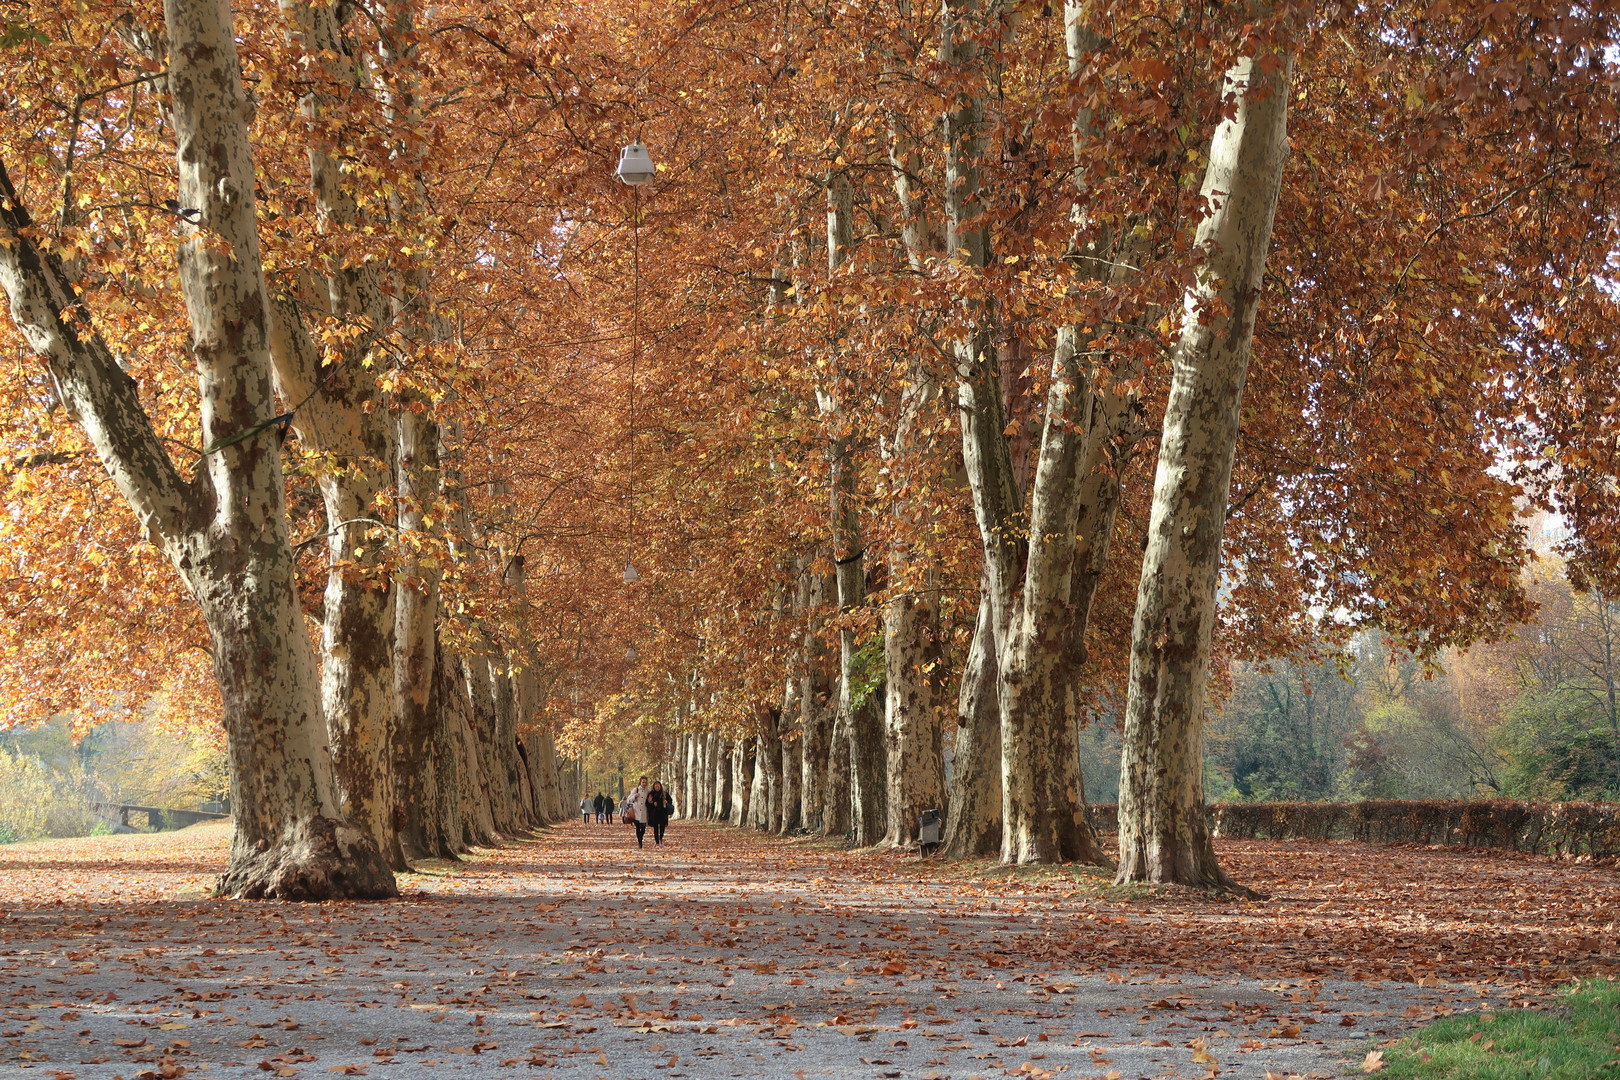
(1580, 1040)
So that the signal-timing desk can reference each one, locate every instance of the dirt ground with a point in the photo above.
(730, 954)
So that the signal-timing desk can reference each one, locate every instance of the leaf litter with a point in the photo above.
(573, 952)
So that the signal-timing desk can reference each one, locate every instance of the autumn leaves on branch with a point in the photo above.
(993, 362)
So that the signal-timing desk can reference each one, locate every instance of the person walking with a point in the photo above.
(607, 809)
(660, 808)
(635, 810)
(597, 803)
(585, 810)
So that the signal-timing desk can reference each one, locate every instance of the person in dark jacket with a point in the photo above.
(607, 809)
(600, 803)
(660, 807)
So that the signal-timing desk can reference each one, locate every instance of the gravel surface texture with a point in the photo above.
(724, 954)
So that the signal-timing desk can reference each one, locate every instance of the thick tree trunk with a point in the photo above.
(859, 709)
(492, 719)
(722, 779)
(688, 796)
(336, 414)
(914, 765)
(357, 682)
(768, 767)
(707, 772)
(445, 825)
(1043, 811)
(742, 780)
(1038, 603)
(869, 783)
(1163, 835)
(225, 531)
(416, 765)
(836, 815)
(792, 814)
(551, 796)
(973, 822)
(479, 798)
(814, 722)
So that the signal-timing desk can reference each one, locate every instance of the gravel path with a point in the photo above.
(574, 955)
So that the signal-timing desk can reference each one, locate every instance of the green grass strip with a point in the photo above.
(1579, 1041)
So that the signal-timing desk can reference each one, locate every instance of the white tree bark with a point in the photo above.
(742, 781)
(973, 820)
(815, 734)
(226, 530)
(335, 412)
(1162, 834)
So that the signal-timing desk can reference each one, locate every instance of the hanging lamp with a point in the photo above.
(636, 165)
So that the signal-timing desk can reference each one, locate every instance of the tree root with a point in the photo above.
(317, 859)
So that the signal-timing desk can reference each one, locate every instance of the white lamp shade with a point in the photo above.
(636, 165)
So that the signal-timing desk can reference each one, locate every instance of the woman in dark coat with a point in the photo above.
(659, 808)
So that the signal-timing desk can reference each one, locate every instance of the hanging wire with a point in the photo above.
(630, 574)
(635, 337)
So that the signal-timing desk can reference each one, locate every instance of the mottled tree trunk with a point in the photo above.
(336, 414)
(835, 796)
(524, 687)
(444, 826)
(493, 719)
(706, 775)
(479, 796)
(814, 723)
(1163, 835)
(973, 822)
(1043, 811)
(769, 762)
(225, 531)
(757, 798)
(416, 765)
(914, 765)
(688, 796)
(742, 780)
(792, 815)
(859, 710)
(550, 787)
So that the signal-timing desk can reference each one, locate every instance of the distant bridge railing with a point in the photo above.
(156, 816)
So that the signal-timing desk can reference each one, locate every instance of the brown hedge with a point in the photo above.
(1546, 828)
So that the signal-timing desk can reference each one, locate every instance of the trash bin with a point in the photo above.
(928, 830)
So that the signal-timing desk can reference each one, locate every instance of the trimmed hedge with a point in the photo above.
(1545, 828)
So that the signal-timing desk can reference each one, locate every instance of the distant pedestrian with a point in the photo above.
(599, 802)
(660, 808)
(635, 810)
(607, 808)
(585, 810)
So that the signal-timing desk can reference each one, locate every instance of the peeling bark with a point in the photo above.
(225, 531)
(334, 412)
(814, 691)
(1163, 835)
(973, 821)
(742, 779)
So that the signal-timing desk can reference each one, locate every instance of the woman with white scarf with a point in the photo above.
(635, 804)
